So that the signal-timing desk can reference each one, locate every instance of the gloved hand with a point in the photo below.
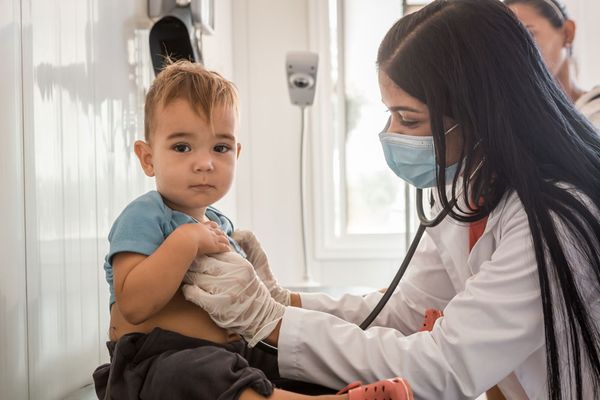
(226, 286)
(259, 261)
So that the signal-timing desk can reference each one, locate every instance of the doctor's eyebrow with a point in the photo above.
(402, 108)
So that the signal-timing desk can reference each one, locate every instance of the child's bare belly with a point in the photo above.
(179, 315)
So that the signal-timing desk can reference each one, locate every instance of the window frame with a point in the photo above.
(327, 183)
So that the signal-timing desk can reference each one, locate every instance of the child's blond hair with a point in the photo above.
(203, 89)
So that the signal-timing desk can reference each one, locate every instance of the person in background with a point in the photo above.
(554, 33)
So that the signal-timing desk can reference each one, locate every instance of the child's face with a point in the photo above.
(193, 164)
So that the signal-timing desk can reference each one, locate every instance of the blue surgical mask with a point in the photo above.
(412, 158)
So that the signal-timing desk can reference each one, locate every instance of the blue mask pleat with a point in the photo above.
(412, 158)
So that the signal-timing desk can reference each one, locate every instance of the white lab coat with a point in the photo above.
(589, 105)
(492, 330)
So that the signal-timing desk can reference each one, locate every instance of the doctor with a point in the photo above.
(521, 304)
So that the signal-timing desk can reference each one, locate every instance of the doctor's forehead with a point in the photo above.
(396, 99)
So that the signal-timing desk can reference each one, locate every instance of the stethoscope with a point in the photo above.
(424, 223)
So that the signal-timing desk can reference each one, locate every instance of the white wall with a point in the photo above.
(72, 89)
(268, 191)
(13, 317)
(586, 14)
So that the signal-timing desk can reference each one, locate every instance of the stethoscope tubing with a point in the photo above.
(394, 283)
(424, 223)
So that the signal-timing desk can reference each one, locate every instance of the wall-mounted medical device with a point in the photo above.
(173, 34)
(301, 69)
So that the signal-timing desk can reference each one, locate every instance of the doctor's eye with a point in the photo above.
(182, 148)
(409, 124)
(405, 122)
(222, 148)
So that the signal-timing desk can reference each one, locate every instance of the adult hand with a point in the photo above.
(257, 257)
(226, 286)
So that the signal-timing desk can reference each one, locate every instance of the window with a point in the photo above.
(363, 210)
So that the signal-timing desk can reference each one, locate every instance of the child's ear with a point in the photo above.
(239, 148)
(143, 151)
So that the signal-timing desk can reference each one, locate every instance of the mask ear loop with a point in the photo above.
(431, 199)
(475, 171)
(423, 220)
(451, 129)
(460, 192)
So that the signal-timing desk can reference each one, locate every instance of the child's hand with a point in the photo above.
(207, 237)
(211, 239)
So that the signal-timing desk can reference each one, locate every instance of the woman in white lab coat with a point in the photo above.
(522, 308)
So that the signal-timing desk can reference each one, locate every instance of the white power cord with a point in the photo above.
(307, 278)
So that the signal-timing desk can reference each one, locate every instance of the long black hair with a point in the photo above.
(472, 61)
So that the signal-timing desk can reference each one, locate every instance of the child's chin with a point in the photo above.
(202, 200)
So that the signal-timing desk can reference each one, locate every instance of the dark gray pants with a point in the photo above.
(166, 365)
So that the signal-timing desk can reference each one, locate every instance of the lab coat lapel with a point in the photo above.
(452, 239)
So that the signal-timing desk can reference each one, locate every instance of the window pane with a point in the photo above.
(375, 196)
(376, 200)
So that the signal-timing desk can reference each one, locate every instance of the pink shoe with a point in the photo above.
(387, 389)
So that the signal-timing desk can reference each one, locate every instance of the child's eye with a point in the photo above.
(222, 148)
(182, 148)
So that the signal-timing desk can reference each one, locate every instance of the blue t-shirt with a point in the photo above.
(145, 223)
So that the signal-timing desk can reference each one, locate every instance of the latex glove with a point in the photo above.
(226, 286)
(259, 261)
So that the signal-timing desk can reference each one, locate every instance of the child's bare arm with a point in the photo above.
(145, 284)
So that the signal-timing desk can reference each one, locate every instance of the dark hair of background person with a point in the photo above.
(554, 11)
(472, 61)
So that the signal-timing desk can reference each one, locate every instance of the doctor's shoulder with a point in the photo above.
(511, 208)
(511, 198)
